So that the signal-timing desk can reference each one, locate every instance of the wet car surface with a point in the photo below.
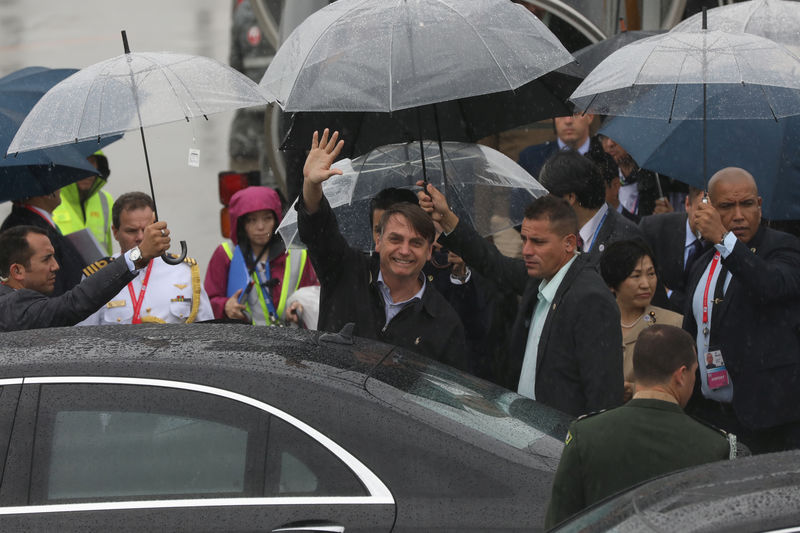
(759, 493)
(227, 427)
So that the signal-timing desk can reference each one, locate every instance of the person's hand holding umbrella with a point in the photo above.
(155, 242)
(318, 167)
(709, 223)
(434, 203)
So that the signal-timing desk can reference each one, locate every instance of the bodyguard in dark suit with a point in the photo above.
(572, 133)
(645, 438)
(37, 211)
(673, 239)
(744, 311)
(566, 343)
(579, 181)
(28, 268)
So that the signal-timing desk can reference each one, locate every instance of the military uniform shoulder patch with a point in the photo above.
(737, 449)
(191, 261)
(95, 267)
(568, 439)
(593, 413)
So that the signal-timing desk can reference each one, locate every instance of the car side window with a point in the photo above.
(300, 466)
(99, 442)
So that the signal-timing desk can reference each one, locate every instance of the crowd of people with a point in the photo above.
(692, 308)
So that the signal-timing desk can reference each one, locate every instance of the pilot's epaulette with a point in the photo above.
(96, 266)
(191, 261)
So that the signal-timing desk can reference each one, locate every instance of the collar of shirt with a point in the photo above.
(548, 289)
(47, 216)
(588, 229)
(582, 149)
(387, 295)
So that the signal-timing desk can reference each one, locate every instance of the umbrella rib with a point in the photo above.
(483, 41)
(302, 64)
(766, 99)
(162, 68)
(82, 114)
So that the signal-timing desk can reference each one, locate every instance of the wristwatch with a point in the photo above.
(722, 240)
(136, 254)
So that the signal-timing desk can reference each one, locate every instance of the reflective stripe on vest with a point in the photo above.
(292, 275)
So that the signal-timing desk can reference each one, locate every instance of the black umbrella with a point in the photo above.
(463, 120)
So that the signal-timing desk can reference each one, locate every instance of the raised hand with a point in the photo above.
(317, 168)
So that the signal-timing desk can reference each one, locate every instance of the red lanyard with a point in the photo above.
(137, 304)
(714, 263)
(32, 210)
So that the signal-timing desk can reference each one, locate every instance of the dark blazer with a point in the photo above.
(666, 235)
(28, 309)
(757, 327)
(615, 228)
(350, 293)
(69, 259)
(579, 363)
(533, 157)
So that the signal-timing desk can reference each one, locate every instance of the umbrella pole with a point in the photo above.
(422, 150)
(705, 133)
(441, 150)
(166, 257)
(149, 175)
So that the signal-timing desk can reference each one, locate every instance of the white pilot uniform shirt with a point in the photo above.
(168, 297)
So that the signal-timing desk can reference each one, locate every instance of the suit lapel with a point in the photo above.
(569, 277)
(721, 309)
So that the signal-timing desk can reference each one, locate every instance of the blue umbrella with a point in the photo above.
(37, 172)
(768, 149)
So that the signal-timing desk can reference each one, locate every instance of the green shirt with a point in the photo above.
(616, 449)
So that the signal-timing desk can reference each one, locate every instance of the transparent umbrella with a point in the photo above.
(379, 55)
(385, 56)
(778, 20)
(484, 187)
(698, 75)
(130, 92)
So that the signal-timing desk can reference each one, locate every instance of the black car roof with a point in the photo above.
(150, 350)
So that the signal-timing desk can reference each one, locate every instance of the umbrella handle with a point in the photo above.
(172, 260)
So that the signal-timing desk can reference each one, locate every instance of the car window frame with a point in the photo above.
(377, 492)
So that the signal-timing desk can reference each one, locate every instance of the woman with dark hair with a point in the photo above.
(628, 269)
(253, 279)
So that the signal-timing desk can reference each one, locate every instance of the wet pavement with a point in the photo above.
(58, 34)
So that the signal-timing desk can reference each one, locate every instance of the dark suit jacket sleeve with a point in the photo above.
(598, 342)
(27, 309)
(772, 278)
(327, 247)
(486, 259)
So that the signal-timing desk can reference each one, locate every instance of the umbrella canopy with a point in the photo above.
(670, 76)
(778, 20)
(481, 183)
(374, 55)
(769, 150)
(132, 91)
(465, 120)
(38, 172)
(590, 56)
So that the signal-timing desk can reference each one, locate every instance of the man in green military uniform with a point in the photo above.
(645, 438)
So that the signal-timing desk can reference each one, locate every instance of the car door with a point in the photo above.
(9, 396)
(129, 454)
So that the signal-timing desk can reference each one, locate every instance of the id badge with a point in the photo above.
(716, 373)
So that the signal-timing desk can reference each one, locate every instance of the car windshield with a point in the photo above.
(467, 400)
